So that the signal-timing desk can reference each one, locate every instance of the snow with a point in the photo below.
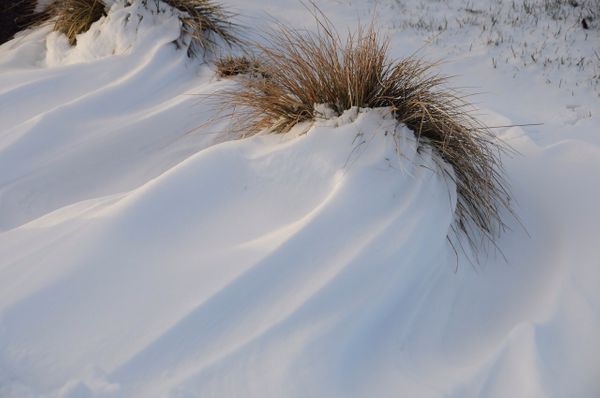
(143, 253)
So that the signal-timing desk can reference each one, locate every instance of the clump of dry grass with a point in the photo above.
(73, 17)
(205, 22)
(229, 66)
(308, 68)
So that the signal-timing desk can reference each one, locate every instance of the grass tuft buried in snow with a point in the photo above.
(72, 17)
(300, 70)
(206, 24)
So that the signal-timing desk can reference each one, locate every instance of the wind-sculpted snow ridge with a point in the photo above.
(98, 118)
(314, 265)
(266, 240)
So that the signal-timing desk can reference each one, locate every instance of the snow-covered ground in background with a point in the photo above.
(143, 254)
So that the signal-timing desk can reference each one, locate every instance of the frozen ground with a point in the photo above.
(142, 256)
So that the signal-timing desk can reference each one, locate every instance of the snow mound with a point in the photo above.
(364, 211)
(137, 27)
(306, 265)
(127, 28)
(97, 127)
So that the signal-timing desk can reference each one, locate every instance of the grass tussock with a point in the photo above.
(322, 67)
(230, 66)
(205, 23)
(72, 17)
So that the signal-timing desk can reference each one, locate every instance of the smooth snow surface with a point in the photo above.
(144, 254)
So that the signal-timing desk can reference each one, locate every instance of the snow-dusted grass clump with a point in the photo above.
(309, 76)
(206, 24)
(203, 25)
(126, 29)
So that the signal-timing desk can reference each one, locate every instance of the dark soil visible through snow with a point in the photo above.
(15, 15)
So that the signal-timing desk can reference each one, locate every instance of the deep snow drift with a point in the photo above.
(143, 254)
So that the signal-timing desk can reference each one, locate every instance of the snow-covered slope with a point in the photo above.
(142, 254)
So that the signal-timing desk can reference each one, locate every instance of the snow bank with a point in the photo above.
(86, 123)
(262, 240)
(139, 258)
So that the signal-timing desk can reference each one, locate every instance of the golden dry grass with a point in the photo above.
(229, 66)
(322, 67)
(205, 24)
(73, 17)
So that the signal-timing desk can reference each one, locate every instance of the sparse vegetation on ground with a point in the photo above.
(229, 66)
(498, 28)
